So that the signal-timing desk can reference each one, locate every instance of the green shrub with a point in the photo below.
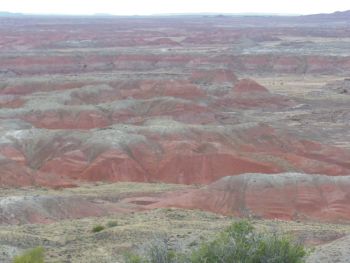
(112, 224)
(132, 258)
(35, 255)
(157, 251)
(98, 228)
(238, 243)
(276, 249)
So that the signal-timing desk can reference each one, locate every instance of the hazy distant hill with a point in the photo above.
(344, 15)
(340, 15)
(2, 14)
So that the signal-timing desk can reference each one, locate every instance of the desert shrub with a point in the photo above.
(112, 224)
(239, 243)
(234, 244)
(98, 228)
(157, 251)
(35, 255)
(279, 249)
(133, 258)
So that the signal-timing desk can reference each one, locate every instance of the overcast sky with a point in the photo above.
(148, 7)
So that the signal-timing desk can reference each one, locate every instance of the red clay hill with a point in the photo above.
(180, 100)
(286, 196)
(170, 131)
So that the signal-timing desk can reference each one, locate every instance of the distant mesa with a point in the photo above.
(163, 42)
(210, 76)
(249, 85)
(339, 15)
(103, 14)
(5, 14)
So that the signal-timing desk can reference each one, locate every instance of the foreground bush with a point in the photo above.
(98, 228)
(157, 252)
(112, 224)
(239, 243)
(35, 255)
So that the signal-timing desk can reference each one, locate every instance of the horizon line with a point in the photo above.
(166, 14)
(238, 14)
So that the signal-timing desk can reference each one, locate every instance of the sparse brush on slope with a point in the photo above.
(238, 243)
(35, 255)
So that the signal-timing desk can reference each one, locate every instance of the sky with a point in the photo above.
(150, 7)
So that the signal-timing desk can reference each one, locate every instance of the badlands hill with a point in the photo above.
(242, 116)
